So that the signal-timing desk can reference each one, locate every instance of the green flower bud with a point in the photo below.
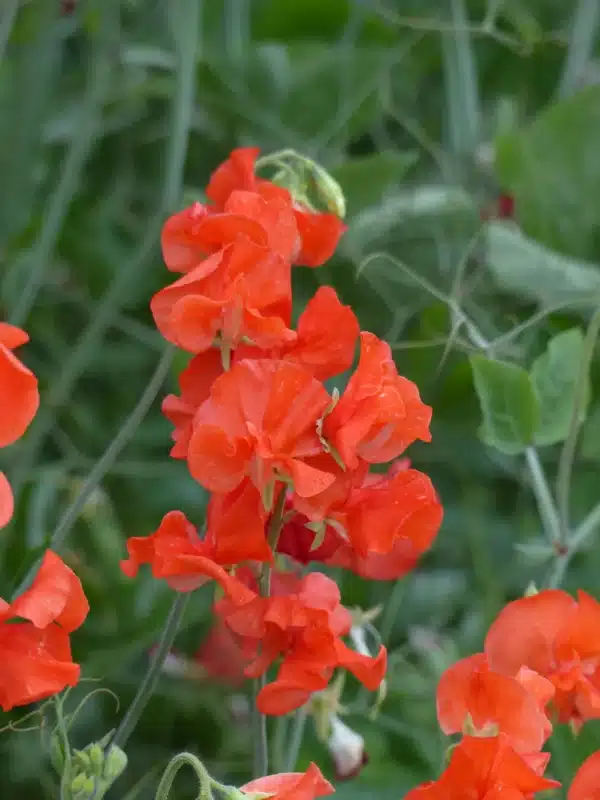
(115, 762)
(329, 191)
(83, 786)
(96, 757)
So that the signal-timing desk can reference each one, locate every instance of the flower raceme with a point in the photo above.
(287, 462)
(19, 401)
(36, 657)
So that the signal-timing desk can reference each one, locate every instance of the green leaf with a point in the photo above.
(366, 179)
(509, 405)
(554, 375)
(526, 268)
(553, 170)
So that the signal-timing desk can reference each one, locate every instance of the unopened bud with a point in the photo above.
(115, 762)
(83, 786)
(329, 191)
(96, 758)
(531, 590)
(347, 748)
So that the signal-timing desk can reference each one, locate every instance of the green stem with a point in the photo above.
(585, 531)
(580, 51)
(65, 778)
(188, 37)
(7, 19)
(169, 775)
(259, 721)
(298, 728)
(148, 685)
(567, 454)
(107, 459)
(541, 490)
(59, 203)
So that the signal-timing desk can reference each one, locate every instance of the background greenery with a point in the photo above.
(115, 114)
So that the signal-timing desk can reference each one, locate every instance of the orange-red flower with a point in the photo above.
(260, 422)
(396, 515)
(19, 401)
(471, 698)
(485, 769)
(195, 382)
(380, 413)
(319, 234)
(557, 637)
(177, 554)
(586, 783)
(290, 785)
(242, 292)
(192, 234)
(36, 654)
(327, 333)
(301, 622)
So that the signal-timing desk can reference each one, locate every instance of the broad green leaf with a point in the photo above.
(553, 170)
(554, 375)
(528, 269)
(509, 405)
(365, 180)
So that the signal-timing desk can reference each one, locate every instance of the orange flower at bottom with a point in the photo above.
(557, 637)
(291, 785)
(485, 769)
(586, 783)
(35, 655)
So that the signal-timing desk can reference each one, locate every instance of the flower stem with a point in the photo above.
(296, 738)
(259, 721)
(543, 496)
(148, 685)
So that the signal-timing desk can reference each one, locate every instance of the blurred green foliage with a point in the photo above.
(115, 114)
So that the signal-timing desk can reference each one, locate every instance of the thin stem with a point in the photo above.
(170, 773)
(181, 115)
(539, 482)
(65, 778)
(541, 490)
(100, 69)
(298, 727)
(567, 454)
(107, 459)
(148, 685)
(259, 731)
(585, 531)
(9, 15)
(588, 527)
(261, 742)
(580, 50)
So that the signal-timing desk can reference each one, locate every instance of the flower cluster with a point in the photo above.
(540, 665)
(35, 649)
(287, 462)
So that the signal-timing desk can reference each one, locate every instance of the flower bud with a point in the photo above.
(329, 191)
(347, 748)
(115, 762)
(83, 786)
(96, 759)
